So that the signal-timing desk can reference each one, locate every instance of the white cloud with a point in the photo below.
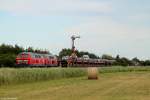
(104, 35)
(105, 26)
(54, 6)
(139, 17)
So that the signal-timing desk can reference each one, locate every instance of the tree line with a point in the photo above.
(8, 55)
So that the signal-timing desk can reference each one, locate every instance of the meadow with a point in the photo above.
(27, 75)
(114, 83)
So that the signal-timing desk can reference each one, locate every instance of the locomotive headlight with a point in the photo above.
(19, 61)
(25, 61)
(22, 61)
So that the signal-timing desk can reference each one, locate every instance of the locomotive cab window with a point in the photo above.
(25, 55)
(38, 56)
(51, 57)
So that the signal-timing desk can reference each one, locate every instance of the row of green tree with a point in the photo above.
(66, 52)
(8, 55)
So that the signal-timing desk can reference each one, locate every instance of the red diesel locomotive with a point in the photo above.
(36, 59)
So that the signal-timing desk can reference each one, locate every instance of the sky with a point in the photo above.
(105, 26)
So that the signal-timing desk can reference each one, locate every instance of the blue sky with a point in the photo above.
(105, 26)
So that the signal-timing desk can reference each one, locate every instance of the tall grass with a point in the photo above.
(24, 75)
(27, 75)
(123, 69)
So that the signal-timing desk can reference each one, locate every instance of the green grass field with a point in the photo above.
(111, 85)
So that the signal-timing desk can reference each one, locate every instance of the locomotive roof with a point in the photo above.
(32, 53)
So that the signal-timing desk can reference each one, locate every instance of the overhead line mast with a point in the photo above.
(73, 38)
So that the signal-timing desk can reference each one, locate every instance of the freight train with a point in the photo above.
(31, 59)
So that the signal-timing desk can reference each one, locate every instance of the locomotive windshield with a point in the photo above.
(23, 55)
(19, 56)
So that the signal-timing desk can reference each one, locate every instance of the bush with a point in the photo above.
(7, 60)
